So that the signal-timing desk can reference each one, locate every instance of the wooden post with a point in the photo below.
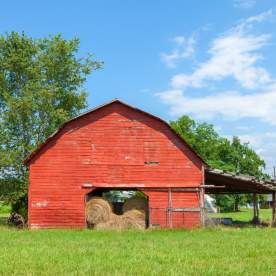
(273, 223)
(170, 207)
(149, 215)
(255, 219)
(201, 198)
(201, 205)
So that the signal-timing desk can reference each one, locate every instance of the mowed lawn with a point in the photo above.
(220, 251)
(217, 251)
(245, 215)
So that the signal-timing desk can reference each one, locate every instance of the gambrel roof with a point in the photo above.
(51, 137)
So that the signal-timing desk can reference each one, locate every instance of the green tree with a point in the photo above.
(41, 86)
(220, 153)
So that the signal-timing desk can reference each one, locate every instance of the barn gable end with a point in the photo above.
(115, 146)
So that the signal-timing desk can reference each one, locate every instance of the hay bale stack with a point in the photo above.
(136, 203)
(133, 219)
(99, 214)
(115, 222)
(98, 210)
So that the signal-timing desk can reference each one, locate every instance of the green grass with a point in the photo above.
(4, 213)
(4, 210)
(245, 215)
(220, 251)
(217, 251)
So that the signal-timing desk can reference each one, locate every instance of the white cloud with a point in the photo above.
(235, 55)
(185, 48)
(243, 128)
(231, 56)
(270, 134)
(245, 4)
(260, 17)
(263, 144)
(248, 23)
(253, 139)
(260, 151)
(230, 105)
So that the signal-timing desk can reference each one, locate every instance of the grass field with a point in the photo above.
(245, 215)
(217, 251)
(221, 251)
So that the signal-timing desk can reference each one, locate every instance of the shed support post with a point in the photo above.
(201, 205)
(273, 223)
(201, 198)
(255, 219)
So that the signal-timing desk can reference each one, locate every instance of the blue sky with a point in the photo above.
(213, 60)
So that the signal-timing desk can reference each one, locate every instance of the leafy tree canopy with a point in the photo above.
(41, 86)
(217, 151)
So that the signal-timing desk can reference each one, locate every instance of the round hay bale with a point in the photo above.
(134, 219)
(115, 223)
(136, 203)
(98, 210)
(135, 214)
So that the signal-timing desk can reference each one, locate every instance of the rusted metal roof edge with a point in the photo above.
(266, 184)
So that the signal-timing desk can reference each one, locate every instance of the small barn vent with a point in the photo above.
(151, 163)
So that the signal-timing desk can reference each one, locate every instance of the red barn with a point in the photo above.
(115, 146)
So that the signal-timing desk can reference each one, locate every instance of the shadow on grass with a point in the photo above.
(243, 224)
(3, 221)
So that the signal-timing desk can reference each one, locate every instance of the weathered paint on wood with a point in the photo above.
(118, 147)
(160, 212)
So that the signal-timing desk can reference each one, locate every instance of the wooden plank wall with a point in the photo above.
(114, 146)
(185, 200)
(158, 204)
(159, 212)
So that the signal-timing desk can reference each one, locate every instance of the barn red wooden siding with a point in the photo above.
(114, 146)
(160, 216)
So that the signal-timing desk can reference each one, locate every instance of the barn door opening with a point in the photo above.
(113, 208)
